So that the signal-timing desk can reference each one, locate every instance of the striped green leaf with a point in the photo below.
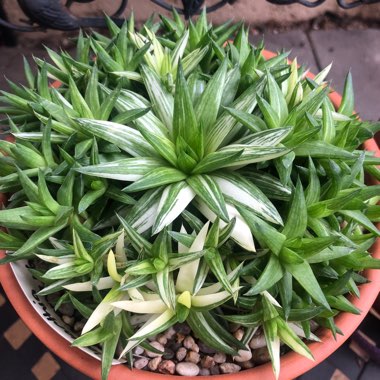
(157, 177)
(124, 137)
(226, 123)
(162, 100)
(175, 198)
(245, 193)
(208, 106)
(208, 190)
(129, 169)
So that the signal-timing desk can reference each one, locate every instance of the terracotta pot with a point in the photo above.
(292, 364)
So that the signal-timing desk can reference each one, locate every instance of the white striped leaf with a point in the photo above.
(161, 144)
(191, 61)
(208, 190)
(165, 287)
(252, 122)
(273, 345)
(37, 137)
(162, 100)
(270, 137)
(124, 137)
(129, 169)
(174, 200)
(252, 154)
(216, 160)
(269, 113)
(187, 273)
(157, 324)
(143, 214)
(276, 98)
(157, 177)
(241, 232)
(289, 337)
(142, 307)
(248, 195)
(179, 49)
(210, 301)
(226, 123)
(103, 309)
(132, 75)
(128, 101)
(103, 283)
(208, 107)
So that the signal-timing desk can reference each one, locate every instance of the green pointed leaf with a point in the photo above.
(157, 177)
(162, 100)
(272, 274)
(129, 169)
(174, 200)
(246, 194)
(124, 137)
(296, 221)
(208, 106)
(306, 278)
(208, 190)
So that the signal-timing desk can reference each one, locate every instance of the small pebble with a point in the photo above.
(174, 346)
(162, 339)
(215, 370)
(78, 326)
(247, 365)
(169, 354)
(204, 372)
(190, 344)
(170, 333)
(187, 369)
(166, 367)
(207, 362)
(257, 341)
(140, 363)
(66, 309)
(152, 338)
(68, 320)
(243, 355)
(153, 364)
(229, 368)
(180, 338)
(138, 350)
(181, 354)
(261, 355)
(183, 328)
(193, 357)
(238, 334)
(205, 349)
(220, 357)
(156, 345)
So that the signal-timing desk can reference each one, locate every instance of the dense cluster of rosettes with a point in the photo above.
(174, 176)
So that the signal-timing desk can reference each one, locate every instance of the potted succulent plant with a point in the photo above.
(178, 189)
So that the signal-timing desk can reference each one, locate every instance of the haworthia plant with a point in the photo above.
(188, 179)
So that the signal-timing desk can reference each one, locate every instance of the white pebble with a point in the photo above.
(257, 341)
(140, 363)
(187, 369)
(138, 350)
(220, 357)
(243, 355)
(229, 368)
(158, 346)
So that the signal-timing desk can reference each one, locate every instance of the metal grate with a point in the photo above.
(52, 14)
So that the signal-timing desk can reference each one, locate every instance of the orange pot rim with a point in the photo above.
(292, 364)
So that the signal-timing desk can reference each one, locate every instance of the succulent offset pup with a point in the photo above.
(174, 177)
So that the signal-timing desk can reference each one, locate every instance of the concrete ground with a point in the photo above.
(358, 51)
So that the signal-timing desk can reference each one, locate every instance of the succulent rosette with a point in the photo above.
(174, 176)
